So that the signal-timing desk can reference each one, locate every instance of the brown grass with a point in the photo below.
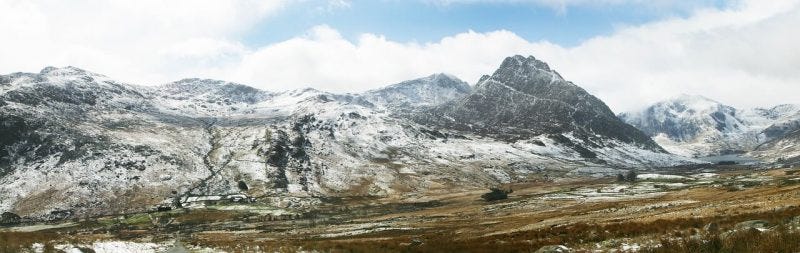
(747, 241)
(19, 241)
(450, 240)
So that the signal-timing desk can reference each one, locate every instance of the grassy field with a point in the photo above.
(699, 212)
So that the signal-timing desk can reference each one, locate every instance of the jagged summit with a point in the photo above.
(529, 75)
(521, 70)
(522, 62)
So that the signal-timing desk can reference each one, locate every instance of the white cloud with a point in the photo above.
(334, 5)
(141, 40)
(326, 60)
(744, 55)
(563, 5)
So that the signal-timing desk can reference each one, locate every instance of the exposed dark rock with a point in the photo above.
(242, 186)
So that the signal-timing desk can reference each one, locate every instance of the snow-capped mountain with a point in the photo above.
(427, 91)
(524, 98)
(698, 126)
(76, 142)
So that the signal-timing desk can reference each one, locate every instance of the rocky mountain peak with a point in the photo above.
(520, 67)
(524, 98)
(522, 62)
(531, 76)
(65, 71)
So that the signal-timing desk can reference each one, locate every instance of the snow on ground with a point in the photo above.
(597, 172)
(115, 247)
(194, 132)
(660, 177)
(705, 175)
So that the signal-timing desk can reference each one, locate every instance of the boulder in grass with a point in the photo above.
(761, 225)
(795, 222)
(553, 249)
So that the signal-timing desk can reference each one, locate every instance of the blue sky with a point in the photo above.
(629, 53)
(426, 21)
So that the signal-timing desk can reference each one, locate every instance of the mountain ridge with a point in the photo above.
(89, 145)
(694, 125)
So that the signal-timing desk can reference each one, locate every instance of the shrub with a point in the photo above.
(631, 176)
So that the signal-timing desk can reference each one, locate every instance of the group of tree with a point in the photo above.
(495, 193)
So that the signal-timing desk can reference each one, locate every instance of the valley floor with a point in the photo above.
(721, 209)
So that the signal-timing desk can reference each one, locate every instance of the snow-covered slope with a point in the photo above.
(698, 126)
(781, 136)
(781, 150)
(75, 142)
(428, 91)
(776, 121)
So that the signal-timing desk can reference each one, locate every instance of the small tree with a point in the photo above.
(631, 176)
(620, 177)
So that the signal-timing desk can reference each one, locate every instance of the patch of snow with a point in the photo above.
(660, 176)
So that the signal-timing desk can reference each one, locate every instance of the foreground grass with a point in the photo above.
(467, 224)
(19, 241)
(780, 239)
(676, 235)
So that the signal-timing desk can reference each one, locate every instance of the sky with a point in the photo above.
(629, 53)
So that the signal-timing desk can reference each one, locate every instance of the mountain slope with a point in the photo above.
(78, 143)
(782, 150)
(78, 139)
